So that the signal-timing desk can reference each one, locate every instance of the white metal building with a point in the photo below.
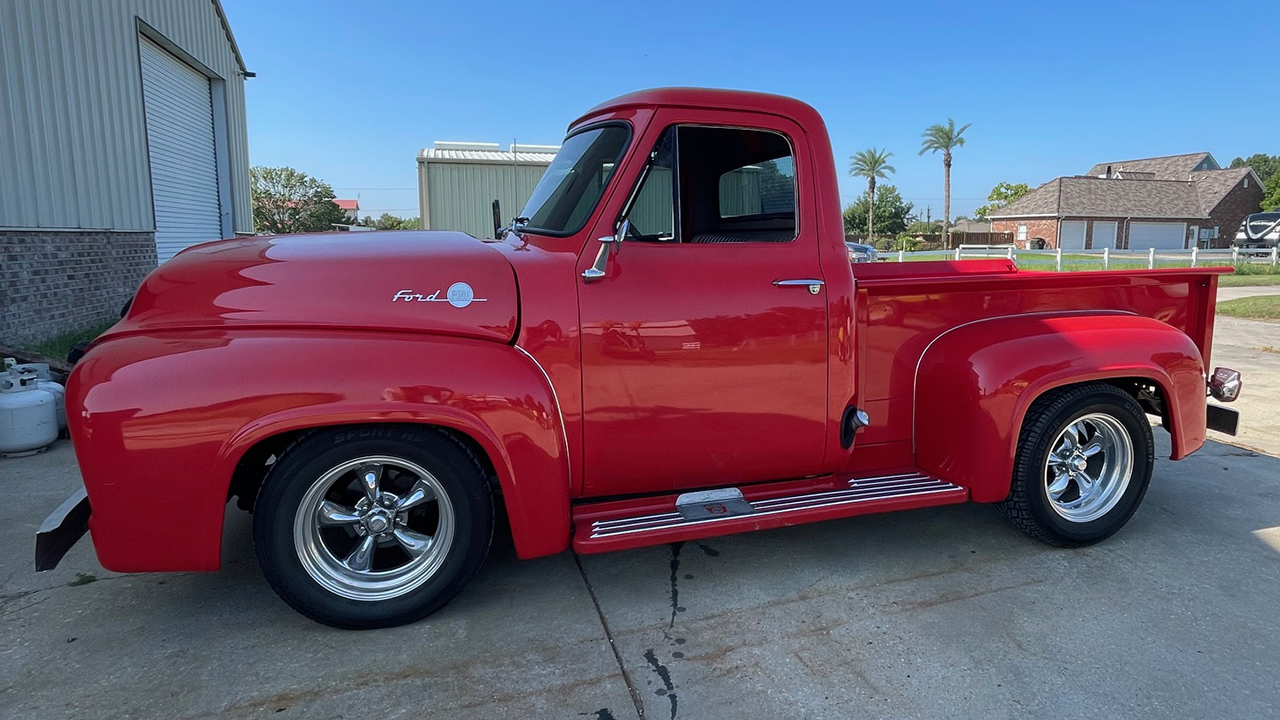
(458, 182)
(122, 141)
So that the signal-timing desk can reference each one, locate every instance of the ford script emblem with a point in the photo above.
(458, 295)
(461, 295)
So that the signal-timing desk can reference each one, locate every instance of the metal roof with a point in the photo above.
(488, 153)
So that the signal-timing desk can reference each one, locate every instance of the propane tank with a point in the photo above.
(44, 381)
(27, 415)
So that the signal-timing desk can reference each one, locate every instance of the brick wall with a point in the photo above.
(1046, 228)
(1231, 211)
(54, 282)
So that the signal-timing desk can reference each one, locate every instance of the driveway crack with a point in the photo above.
(604, 623)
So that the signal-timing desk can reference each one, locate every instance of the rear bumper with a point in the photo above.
(1221, 419)
(61, 530)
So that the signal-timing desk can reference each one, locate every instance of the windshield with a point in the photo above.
(573, 184)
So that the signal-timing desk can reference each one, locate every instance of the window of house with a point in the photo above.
(1022, 231)
(716, 185)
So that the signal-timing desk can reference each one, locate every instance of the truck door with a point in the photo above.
(704, 345)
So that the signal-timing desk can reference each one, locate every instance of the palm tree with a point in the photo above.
(944, 138)
(871, 164)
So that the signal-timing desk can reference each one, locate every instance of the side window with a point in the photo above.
(716, 185)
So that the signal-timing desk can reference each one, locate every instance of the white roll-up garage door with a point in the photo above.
(184, 168)
(1071, 235)
(1161, 236)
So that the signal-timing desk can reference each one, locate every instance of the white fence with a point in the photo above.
(1195, 257)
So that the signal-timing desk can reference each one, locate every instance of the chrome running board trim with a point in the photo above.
(884, 487)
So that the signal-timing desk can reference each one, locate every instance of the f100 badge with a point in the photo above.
(458, 295)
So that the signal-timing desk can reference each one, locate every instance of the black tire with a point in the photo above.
(458, 472)
(1029, 506)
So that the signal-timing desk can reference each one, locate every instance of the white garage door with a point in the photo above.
(184, 169)
(1161, 236)
(1071, 235)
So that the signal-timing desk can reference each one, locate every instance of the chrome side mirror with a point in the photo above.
(1225, 384)
(598, 268)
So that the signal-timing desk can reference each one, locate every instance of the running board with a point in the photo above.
(649, 521)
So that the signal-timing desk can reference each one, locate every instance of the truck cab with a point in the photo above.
(669, 343)
(722, 256)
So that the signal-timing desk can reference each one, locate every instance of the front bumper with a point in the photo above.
(61, 530)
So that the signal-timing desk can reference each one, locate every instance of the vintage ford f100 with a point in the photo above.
(669, 343)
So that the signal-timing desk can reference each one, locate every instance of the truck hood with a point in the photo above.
(407, 281)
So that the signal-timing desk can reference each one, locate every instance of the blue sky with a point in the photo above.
(349, 92)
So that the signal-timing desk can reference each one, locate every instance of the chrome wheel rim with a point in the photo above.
(1089, 467)
(374, 528)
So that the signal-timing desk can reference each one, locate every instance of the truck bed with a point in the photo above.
(903, 307)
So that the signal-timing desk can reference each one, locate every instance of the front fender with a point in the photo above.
(975, 383)
(160, 421)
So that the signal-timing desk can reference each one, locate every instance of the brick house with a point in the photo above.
(1169, 202)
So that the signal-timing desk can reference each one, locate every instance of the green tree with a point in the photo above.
(1001, 195)
(287, 201)
(871, 164)
(891, 213)
(1267, 166)
(944, 139)
(1271, 194)
(387, 221)
(1268, 169)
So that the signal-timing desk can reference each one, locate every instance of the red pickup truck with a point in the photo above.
(670, 343)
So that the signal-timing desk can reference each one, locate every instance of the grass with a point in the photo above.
(58, 347)
(1247, 279)
(1262, 307)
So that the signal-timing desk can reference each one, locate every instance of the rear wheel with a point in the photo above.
(1083, 464)
(373, 527)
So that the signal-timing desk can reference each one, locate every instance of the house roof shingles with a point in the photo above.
(1213, 185)
(1193, 196)
(1086, 196)
(1170, 167)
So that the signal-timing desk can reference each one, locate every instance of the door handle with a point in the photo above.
(814, 285)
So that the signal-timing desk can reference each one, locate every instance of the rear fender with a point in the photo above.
(975, 383)
(166, 417)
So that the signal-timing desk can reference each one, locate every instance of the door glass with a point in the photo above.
(653, 212)
(717, 185)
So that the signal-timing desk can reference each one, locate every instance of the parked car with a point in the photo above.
(861, 252)
(669, 344)
(1259, 230)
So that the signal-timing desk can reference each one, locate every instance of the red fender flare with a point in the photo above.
(171, 414)
(975, 383)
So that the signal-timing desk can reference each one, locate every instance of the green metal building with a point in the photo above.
(458, 182)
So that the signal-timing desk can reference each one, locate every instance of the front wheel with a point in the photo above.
(1083, 465)
(374, 526)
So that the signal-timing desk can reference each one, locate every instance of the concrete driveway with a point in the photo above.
(945, 612)
(1235, 293)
